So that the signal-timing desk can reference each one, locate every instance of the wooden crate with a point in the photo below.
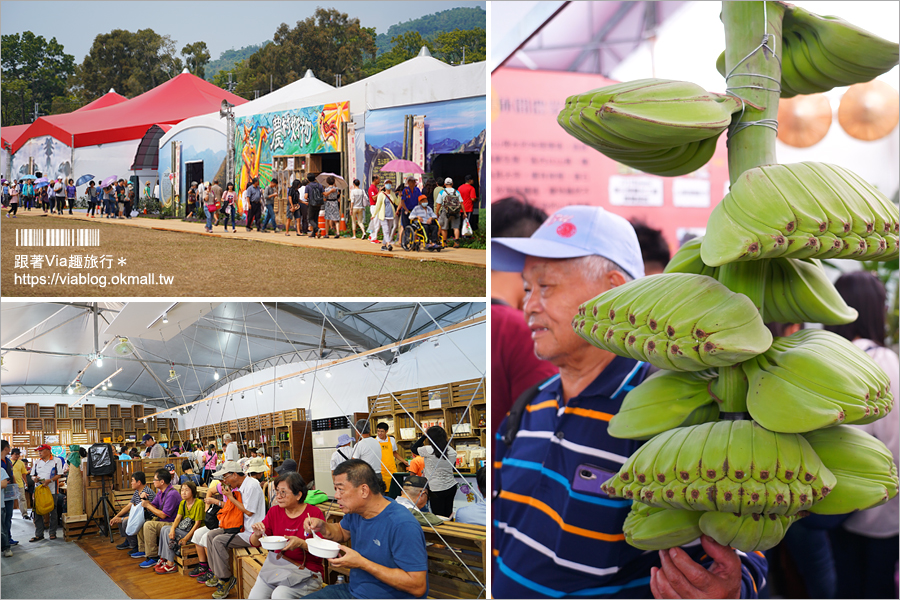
(91, 424)
(76, 413)
(32, 410)
(16, 412)
(188, 559)
(115, 423)
(233, 426)
(89, 411)
(104, 426)
(137, 411)
(62, 411)
(47, 412)
(114, 411)
(77, 425)
(278, 419)
(71, 531)
(125, 412)
(4, 410)
(265, 421)
(246, 564)
(64, 424)
(101, 412)
(49, 426)
(462, 392)
(34, 424)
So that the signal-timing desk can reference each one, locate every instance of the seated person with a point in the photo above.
(415, 498)
(138, 481)
(427, 218)
(187, 521)
(388, 558)
(474, 513)
(164, 507)
(292, 572)
(214, 504)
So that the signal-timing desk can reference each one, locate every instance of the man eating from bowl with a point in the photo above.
(388, 558)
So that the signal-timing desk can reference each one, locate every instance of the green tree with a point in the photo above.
(33, 70)
(329, 43)
(196, 57)
(132, 63)
(452, 46)
(405, 46)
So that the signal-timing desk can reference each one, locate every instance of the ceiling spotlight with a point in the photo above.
(109, 383)
(280, 385)
(436, 343)
(104, 386)
(216, 375)
(259, 389)
(99, 360)
(327, 371)
(366, 364)
(303, 379)
(242, 395)
(165, 317)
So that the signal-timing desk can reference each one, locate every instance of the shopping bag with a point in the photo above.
(466, 228)
(135, 520)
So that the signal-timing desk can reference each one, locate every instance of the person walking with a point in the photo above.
(120, 198)
(13, 200)
(51, 198)
(409, 200)
(27, 194)
(191, 201)
(217, 197)
(271, 194)
(209, 208)
(315, 198)
(449, 210)
(129, 199)
(228, 199)
(332, 207)
(5, 193)
(293, 212)
(92, 193)
(384, 212)
(357, 210)
(253, 199)
(70, 194)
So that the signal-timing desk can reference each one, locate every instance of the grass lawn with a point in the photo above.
(203, 266)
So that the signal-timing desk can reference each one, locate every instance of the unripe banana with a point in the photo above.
(864, 469)
(649, 528)
(795, 377)
(700, 322)
(747, 533)
(769, 205)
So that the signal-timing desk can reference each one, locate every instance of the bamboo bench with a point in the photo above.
(450, 572)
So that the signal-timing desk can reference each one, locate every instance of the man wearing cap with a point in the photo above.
(556, 533)
(426, 216)
(388, 558)
(415, 493)
(367, 448)
(231, 448)
(253, 505)
(153, 450)
(339, 455)
(46, 471)
(449, 209)
(389, 459)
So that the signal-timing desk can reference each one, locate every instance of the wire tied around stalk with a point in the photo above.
(767, 44)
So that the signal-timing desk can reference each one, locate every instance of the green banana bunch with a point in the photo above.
(822, 53)
(796, 290)
(658, 126)
(675, 321)
(650, 528)
(802, 210)
(665, 400)
(864, 467)
(726, 466)
(815, 379)
(746, 533)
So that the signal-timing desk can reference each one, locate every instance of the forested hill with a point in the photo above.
(430, 25)
(229, 58)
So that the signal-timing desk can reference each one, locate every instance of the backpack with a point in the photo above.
(43, 500)
(452, 202)
(315, 194)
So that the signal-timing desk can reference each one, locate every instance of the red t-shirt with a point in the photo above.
(514, 366)
(467, 193)
(278, 523)
(373, 194)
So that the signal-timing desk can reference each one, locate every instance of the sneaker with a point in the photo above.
(165, 568)
(224, 588)
(126, 546)
(13, 542)
(198, 571)
(150, 562)
(206, 576)
(137, 554)
(8, 553)
(212, 581)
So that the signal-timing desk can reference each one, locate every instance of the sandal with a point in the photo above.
(52, 537)
(36, 539)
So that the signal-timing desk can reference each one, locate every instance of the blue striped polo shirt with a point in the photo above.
(555, 533)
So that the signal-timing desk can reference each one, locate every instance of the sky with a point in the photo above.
(223, 24)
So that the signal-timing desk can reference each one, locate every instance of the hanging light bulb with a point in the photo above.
(327, 371)
(69, 391)
(303, 379)
(104, 386)
(99, 360)
(216, 375)
(165, 317)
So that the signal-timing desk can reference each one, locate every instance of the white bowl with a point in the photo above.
(323, 548)
(273, 542)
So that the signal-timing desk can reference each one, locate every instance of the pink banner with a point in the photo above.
(533, 157)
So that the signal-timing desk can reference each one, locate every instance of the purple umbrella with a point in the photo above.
(108, 181)
(402, 166)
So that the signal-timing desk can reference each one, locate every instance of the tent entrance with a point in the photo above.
(331, 162)
(456, 165)
(193, 171)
